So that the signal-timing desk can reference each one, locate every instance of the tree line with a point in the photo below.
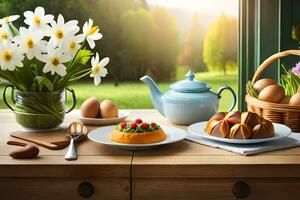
(214, 51)
(140, 40)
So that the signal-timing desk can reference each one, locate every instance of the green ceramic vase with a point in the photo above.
(39, 110)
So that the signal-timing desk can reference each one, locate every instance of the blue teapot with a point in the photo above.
(188, 101)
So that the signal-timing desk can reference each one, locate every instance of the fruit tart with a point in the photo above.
(137, 132)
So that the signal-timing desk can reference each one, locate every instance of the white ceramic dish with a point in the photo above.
(281, 131)
(105, 121)
(102, 136)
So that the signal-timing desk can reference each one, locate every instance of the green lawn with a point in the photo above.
(136, 94)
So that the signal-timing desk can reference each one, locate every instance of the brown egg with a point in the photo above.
(263, 83)
(295, 100)
(90, 108)
(286, 100)
(108, 109)
(272, 93)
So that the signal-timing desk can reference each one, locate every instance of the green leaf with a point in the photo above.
(289, 81)
(82, 57)
(39, 82)
(296, 32)
(77, 77)
(12, 29)
(73, 68)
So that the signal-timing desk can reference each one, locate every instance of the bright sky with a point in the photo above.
(211, 7)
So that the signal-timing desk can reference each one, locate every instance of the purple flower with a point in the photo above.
(296, 69)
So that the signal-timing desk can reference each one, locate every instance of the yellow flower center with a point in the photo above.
(59, 34)
(37, 20)
(3, 35)
(72, 45)
(6, 56)
(6, 19)
(93, 30)
(29, 43)
(55, 60)
(97, 69)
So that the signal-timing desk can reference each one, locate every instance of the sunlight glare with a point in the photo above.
(207, 7)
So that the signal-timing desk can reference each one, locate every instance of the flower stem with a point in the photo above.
(79, 77)
(80, 72)
(11, 29)
(81, 47)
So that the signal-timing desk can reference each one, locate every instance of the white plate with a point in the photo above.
(105, 121)
(102, 136)
(281, 131)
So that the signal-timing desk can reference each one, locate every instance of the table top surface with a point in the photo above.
(183, 158)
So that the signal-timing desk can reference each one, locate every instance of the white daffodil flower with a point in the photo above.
(91, 32)
(98, 68)
(38, 19)
(60, 30)
(30, 42)
(72, 44)
(6, 23)
(10, 56)
(5, 35)
(7, 19)
(54, 59)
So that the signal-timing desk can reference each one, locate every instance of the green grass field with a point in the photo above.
(136, 94)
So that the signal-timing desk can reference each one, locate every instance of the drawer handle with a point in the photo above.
(85, 189)
(241, 190)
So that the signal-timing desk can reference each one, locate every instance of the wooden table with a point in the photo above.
(184, 170)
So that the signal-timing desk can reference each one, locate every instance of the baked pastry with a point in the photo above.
(237, 125)
(251, 119)
(233, 118)
(263, 130)
(218, 128)
(137, 132)
(220, 124)
(240, 131)
(243, 130)
(217, 117)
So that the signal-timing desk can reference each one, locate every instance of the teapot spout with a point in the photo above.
(156, 94)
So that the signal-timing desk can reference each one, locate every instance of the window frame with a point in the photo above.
(263, 31)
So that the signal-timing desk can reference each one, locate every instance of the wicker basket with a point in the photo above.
(275, 112)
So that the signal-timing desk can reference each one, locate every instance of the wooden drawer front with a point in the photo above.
(199, 188)
(62, 188)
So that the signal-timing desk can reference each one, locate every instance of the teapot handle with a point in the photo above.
(233, 95)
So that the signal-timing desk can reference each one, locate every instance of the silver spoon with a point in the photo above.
(75, 131)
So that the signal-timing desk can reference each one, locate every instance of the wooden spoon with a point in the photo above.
(27, 151)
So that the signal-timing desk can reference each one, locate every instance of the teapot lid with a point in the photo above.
(190, 85)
